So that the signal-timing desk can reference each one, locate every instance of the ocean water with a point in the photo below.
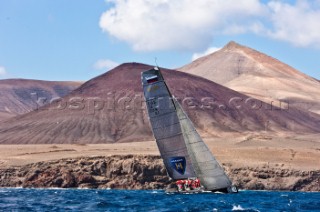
(131, 200)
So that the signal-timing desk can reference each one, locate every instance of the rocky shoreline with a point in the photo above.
(143, 172)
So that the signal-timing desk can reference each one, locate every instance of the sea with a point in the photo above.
(20, 199)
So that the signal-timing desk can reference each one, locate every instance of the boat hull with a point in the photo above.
(229, 190)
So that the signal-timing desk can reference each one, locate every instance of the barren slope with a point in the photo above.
(105, 110)
(19, 96)
(258, 75)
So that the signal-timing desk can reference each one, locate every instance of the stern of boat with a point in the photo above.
(232, 189)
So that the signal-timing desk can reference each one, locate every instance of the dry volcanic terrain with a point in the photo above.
(98, 136)
(260, 76)
(110, 108)
(261, 162)
(19, 96)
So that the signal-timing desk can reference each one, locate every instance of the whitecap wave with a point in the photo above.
(237, 208)
(240, 208)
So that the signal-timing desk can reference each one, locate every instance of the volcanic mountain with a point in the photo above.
(255, 74)
(110, 108)
(19, 96)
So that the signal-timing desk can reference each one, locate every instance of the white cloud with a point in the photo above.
(298, 24)
(206, 52)
(148, 25)
(177, 24)
(3, 71)
(105, 64)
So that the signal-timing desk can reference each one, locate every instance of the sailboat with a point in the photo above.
(183, 151)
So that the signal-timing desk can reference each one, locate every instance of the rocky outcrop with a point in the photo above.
(266, 178)
(122, 172)
(143, 172)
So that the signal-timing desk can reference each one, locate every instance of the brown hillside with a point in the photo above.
(104, 110)
(251, 72)
(19, 96)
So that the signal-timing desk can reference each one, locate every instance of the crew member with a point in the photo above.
(197, 183)
(193, 185)
(187, 185)
(179, 184)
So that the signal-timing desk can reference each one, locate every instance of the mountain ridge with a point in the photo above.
(258, 75)
(103, 110)
(19, 96)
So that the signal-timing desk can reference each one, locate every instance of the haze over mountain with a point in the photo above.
(19, 96)
(110, 108)
(258, 75)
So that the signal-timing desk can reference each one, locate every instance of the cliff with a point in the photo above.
(143, 172)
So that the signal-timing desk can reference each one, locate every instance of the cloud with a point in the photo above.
(298, 24)
(206, 52)
(149, 25)
(105, 64)
(188, 25)
(3, 71)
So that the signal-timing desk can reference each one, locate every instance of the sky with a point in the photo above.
(76, 40)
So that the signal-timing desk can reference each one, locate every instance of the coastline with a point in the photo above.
(252, 162)
(143, 172)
